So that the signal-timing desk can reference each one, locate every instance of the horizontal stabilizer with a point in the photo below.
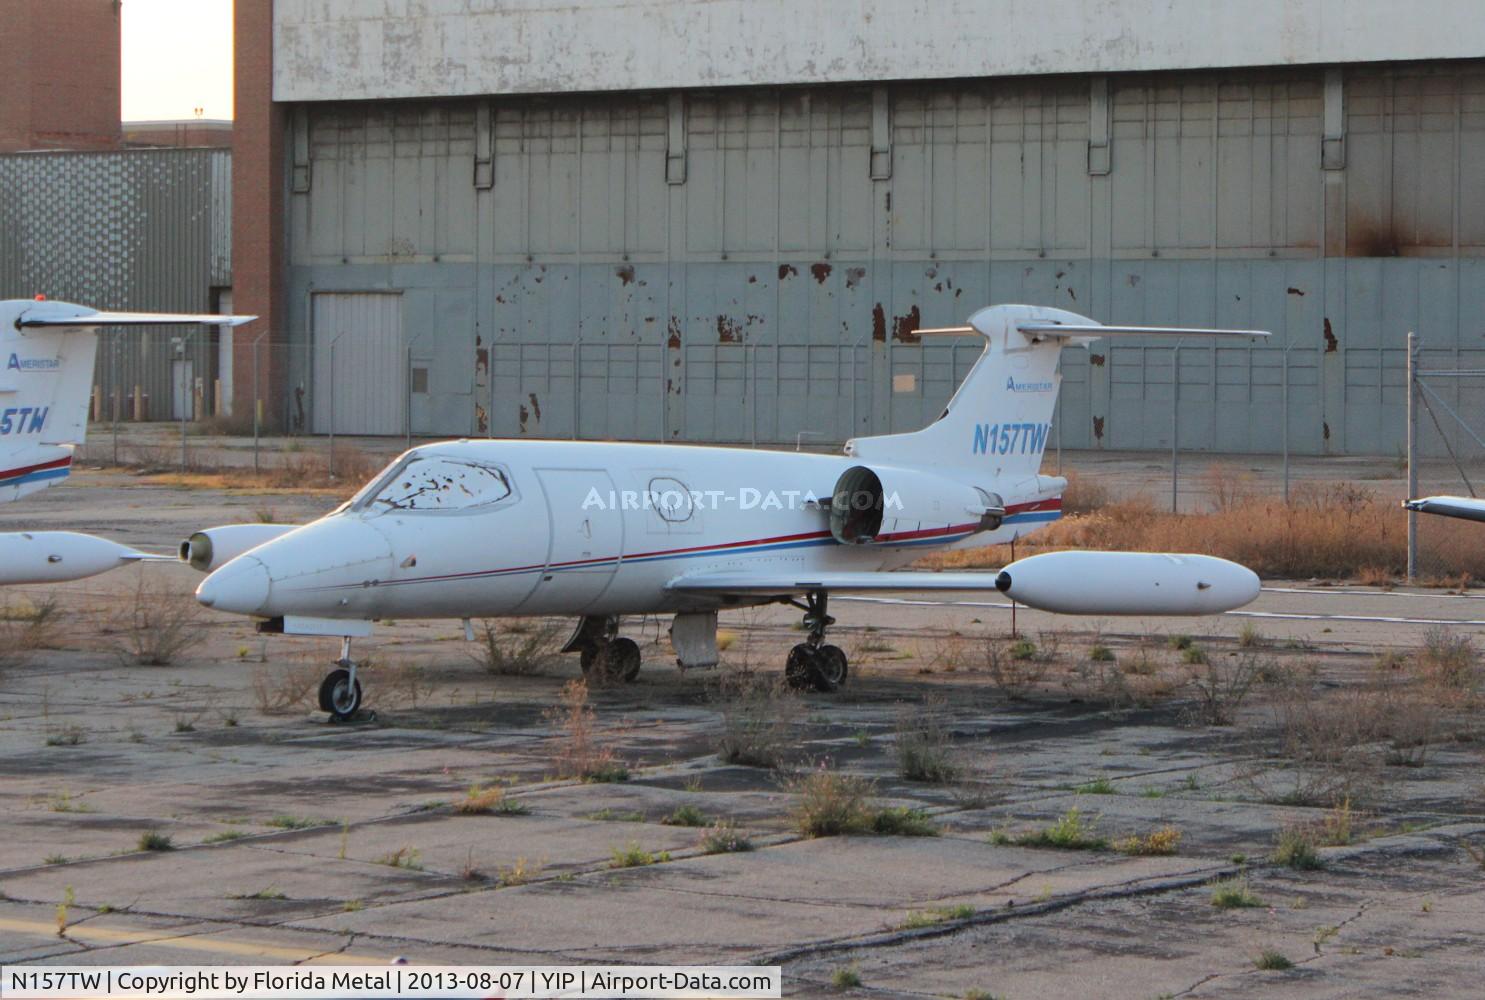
(1468, 508)
(1098, 330)
(133, 319)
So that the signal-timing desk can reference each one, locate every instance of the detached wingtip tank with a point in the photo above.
(60, 556)
(1128, 583)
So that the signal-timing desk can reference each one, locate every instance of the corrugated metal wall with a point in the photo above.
(748, 265)
(134, 229)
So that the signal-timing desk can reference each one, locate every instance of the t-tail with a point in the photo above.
(48, 349)
(998, 422)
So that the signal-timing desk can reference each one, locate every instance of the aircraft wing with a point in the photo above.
(1468, 508)
(840, 582)
(132, 319)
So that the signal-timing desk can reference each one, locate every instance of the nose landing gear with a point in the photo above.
(340, 691)
(814, 665)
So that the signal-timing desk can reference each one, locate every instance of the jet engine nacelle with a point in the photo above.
(57, 556)
(214, 547)
(1128, 583)
(882, 505)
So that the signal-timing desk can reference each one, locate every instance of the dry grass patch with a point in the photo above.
(582, 755)
(516, 648)
(1327, 530)
(1159, 842)
(286, 688)
(26, 627)
(759, 716)
(925, 749)
(156, 623)
(482, 801)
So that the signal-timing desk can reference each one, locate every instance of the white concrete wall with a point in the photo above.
(360, 49)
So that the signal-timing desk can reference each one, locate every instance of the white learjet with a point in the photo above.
(48, 350)
(596, 530)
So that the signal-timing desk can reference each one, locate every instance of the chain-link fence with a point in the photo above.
(1446, 455)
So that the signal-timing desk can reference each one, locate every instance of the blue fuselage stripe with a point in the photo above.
(32, 477)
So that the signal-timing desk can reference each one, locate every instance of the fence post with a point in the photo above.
(1412, 454)
(331, 410)
(1175, 423)
(257, 398)
(1284, 411)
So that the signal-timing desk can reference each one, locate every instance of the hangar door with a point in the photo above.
(360, 363)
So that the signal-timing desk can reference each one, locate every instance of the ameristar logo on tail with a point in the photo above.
(44, 395)
(492, 528)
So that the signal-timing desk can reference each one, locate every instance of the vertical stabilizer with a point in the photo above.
(999, 420)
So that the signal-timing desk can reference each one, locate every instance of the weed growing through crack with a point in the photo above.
(935, 915)
(901, 821)
(69, 897)
(154, 840)
(847, 977)
(828, 803)
(483, 801)
(515, 651)
(409, 858)
(686, 815)
(156, 624)
(582, 755)
(225, 836)
(1098, 786)
(759, 715)
(631, 855)
(1070, 832)
(286, 822)
(722, 837)
(1272, 961)
(924, 746)
(523, 871)
(1233, 893)
(1162, 841)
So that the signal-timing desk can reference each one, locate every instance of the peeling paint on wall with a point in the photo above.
(905, 328)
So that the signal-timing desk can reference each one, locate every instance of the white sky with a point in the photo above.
(177, 56)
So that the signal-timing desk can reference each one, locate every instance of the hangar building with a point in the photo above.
(722, 220)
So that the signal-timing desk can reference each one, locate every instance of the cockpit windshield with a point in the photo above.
(435, 482)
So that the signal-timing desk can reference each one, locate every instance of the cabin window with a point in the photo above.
(433, 482)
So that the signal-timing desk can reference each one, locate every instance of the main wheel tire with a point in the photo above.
(616, 660)
(624, 660)
(805, 669)
(339, 696)
(834, 664)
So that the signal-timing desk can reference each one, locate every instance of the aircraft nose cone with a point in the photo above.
(241, 587)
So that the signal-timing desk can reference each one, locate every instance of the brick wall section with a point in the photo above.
(257, 213)
(60, 64)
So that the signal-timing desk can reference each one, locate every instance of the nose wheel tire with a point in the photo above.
(815, 668)
(616, 660)
(340, 695)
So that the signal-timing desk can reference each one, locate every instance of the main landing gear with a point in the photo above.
(814, 665)
(604, 654)
(340, 691)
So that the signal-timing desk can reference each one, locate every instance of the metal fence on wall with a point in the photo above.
(1446, 417)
